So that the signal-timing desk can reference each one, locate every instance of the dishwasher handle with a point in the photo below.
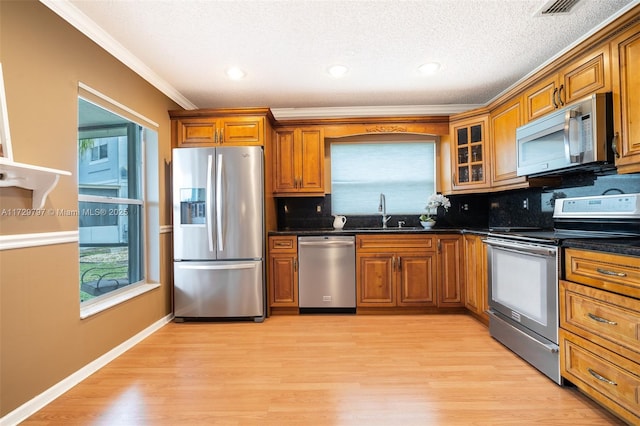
(326, 243)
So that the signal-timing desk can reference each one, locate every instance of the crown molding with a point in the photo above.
(283, 114)
(67, 11)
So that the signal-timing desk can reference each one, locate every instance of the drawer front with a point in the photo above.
(617, 273)
(412, 243)
(288, 244)
(609, 315)
(611, 376)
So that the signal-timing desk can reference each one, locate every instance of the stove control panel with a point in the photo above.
(619, 206)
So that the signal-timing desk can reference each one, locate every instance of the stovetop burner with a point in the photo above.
(556, 236)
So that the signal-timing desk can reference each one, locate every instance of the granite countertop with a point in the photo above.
(624, 246)
(393, 230)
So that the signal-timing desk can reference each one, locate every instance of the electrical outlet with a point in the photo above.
(318, 208)
(525, 204)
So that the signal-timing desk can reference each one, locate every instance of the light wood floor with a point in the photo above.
(322, 370)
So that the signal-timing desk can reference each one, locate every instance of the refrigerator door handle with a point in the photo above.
(219, 202)
(209, 207)
(219, 267)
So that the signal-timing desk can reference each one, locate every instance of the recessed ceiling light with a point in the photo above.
(429, 68)
(235, 73)
(337, 71)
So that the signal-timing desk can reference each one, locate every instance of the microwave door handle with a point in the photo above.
(571, 136)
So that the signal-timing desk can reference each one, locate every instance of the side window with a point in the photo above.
(110, 202)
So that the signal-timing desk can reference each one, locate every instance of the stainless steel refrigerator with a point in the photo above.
(218, 229)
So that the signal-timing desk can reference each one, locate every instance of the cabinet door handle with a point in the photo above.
(601, 378)
(614, 145)
(393, 263)
(600, 319)
(295, 264)
(221, 135)
(611, 273)
(554, 98)
(399, 263)
(560, 90)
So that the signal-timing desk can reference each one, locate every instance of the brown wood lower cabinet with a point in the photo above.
(450, 286)
(476, 290)
(421, 271)
(600, 329)
(283, 271)
(395, 271)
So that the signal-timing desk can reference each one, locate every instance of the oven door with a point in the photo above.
(523, 285)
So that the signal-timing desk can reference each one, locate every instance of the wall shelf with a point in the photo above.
(40, 180)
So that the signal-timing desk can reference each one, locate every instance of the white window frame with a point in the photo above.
(148, 203)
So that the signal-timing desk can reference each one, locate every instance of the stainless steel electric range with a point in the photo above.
(525, 265)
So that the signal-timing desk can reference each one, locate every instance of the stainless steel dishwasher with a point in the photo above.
(327, 274)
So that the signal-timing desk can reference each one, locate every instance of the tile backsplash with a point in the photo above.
(534, 207)
(522, 207)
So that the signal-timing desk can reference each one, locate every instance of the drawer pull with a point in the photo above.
(602, 379)
(600, 319)
(612, 273)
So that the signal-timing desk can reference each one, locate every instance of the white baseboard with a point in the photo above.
(27, 409)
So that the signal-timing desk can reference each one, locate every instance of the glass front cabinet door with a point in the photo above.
(470, 153)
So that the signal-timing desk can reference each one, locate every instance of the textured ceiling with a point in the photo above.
(483, 46)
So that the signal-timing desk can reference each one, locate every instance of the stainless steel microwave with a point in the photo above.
(576, 137)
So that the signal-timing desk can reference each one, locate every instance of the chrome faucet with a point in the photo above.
(382, 208)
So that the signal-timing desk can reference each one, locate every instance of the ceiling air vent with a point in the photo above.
(557, 7)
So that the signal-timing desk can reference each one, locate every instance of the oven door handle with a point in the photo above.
(521, 248)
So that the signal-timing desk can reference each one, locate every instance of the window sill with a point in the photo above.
(109, 302)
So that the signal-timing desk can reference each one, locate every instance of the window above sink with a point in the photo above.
(404, 171)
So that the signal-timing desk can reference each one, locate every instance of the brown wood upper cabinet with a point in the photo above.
(211, 131)
(626, 99)
(299, 161)
(469, 153)
(586, 75)
(504, 120)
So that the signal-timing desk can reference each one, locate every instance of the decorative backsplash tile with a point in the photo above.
(521, 207)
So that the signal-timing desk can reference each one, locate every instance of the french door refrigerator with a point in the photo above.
(218, 205)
